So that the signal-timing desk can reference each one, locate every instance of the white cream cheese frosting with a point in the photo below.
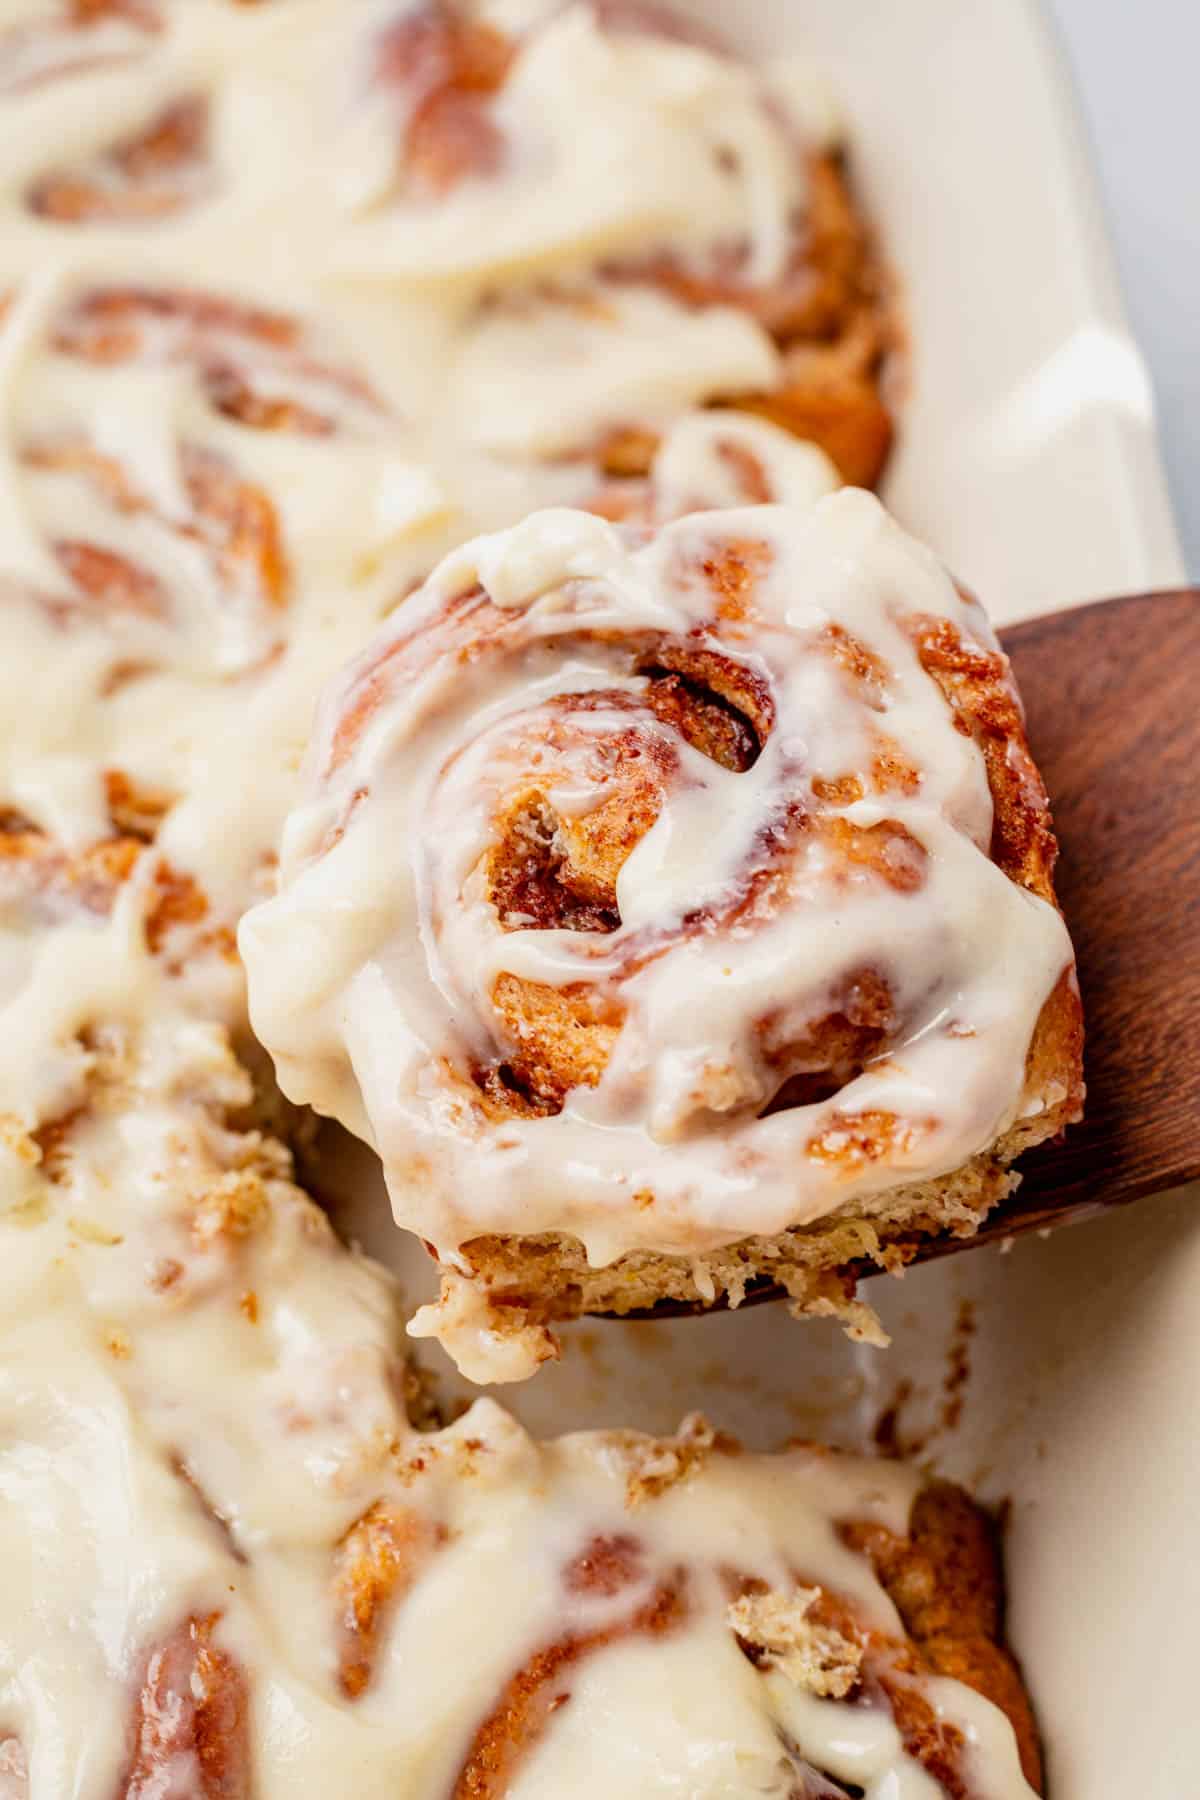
(374, 970)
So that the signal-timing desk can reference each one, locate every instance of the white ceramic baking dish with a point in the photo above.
(1029, 459)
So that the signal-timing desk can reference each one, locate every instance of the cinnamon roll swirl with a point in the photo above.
(673, 915)
(687, 235)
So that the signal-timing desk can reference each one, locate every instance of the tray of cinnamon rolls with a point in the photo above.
(513, 828)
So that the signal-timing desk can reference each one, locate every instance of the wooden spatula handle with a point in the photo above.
(1112, 694)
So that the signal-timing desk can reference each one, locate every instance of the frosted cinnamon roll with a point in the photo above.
(464, 1613)
(670, 226)
(185, 477)
(130, 480)
(674, 916)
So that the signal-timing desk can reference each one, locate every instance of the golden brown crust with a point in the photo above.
(945, 1581)
(191, 1725)
(157, 171)
(548, 1277)
(530, 1698)
(376, 1563)
(449, 67)
(831, 312)
(977, 686)
(48, 882)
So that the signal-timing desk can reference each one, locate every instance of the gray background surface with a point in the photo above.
(1136, 67)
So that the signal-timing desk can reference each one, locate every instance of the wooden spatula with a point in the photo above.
(1112, 693)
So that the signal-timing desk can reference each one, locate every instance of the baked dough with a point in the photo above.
(672, 914)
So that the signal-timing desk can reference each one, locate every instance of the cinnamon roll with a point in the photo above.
(413, 1612)
(673, 916)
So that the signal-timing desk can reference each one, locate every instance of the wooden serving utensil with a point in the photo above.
(1112, 696)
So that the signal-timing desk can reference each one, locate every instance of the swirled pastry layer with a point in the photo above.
(670, 895)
